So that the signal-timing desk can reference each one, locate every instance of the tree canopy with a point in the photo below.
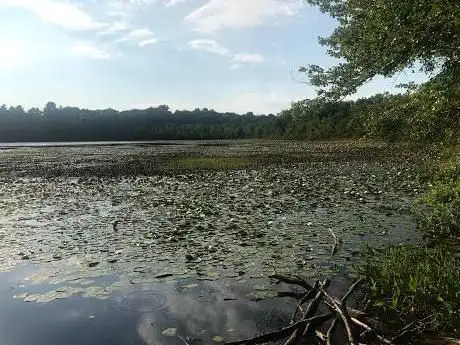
(384, 37)
(53, 123)
(307, 119)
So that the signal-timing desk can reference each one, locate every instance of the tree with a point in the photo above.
(50, 108)
(34, 111)
(383, 37)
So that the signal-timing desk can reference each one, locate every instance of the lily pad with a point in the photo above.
(170, 332)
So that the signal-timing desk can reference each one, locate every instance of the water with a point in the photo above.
(190, 249)
(90, 143)
(198, 310)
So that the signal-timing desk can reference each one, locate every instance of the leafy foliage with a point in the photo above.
(384, 37)
(415, 283)
(438, 211)
(316, 119)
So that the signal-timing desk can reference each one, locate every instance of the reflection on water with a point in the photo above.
(177, 312)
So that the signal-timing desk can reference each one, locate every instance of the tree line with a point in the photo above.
(55, 123)
(310, 119)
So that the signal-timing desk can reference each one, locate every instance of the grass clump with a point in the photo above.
(413, 283)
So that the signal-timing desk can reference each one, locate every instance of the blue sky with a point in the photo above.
(229, 55)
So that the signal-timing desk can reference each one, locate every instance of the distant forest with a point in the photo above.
(305, 120)
(383, 116)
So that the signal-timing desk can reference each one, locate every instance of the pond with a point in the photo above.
(98, 247)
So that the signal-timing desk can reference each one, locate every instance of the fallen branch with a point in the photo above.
(313, 307)
(282, 333)
(338, 307)
(311, 310)
(309, 295)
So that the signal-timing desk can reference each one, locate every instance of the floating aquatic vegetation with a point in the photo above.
(224, 225)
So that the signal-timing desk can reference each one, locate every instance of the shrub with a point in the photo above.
(415, 283)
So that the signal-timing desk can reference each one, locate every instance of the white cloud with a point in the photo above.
(142, 37)
(90, 50)
(213, 47)
(140, 34)
(147, 42)
(65, 14)
(169, 3)
(247, 57)
(210, 46)
(215, 15)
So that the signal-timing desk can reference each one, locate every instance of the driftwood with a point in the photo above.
(306, 324)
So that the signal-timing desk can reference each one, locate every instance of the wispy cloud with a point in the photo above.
(213, 47)
(90, 50)
(210, 46)
(169, 3)
(147, 42)
(215, 15)
(64, 14)
(142, 37)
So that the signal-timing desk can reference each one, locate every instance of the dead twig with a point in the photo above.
(331, 330)
(336, 243)
(351, 290)
(416, 326)
(369, 329)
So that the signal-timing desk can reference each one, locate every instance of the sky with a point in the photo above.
(227, 55)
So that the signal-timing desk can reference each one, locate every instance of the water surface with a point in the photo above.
(190, 257)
